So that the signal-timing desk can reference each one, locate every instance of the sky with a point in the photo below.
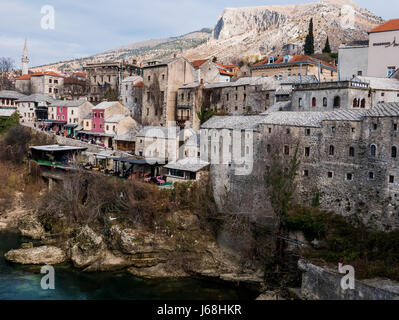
(86, 27)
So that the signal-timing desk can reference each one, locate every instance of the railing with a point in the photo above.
(182, 118)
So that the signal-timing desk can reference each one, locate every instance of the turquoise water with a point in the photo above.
(23, 283)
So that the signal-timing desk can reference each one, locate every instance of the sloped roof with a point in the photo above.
(9, 94)
(133, 79)
(193, 141)
(153, 132)
(198, 63)
(384, 110)
(130, 135)
(115, 118)
(68, 103)
(278, 106)
(36, 97)
(24, 77)
(296, 59)
(104, 105)
(233, 122)
(387, 26)
(187, 164)
(47, 73)
(299, 79)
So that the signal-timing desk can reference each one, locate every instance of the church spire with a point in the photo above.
(25, 60)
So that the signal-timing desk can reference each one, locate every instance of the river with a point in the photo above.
(19, 282)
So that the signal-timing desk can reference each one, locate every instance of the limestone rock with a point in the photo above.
(87, 247)
(30, 227)
(39, 255)
(156, 272)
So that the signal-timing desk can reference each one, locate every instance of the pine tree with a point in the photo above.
(327, 48)
(309, 41)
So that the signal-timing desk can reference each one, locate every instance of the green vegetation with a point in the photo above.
(327, 48)
(111, 95)
(204, 115)
(7, 122)
(309, 41)
(372, 253)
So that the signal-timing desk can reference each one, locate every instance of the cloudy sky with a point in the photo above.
(85, 27)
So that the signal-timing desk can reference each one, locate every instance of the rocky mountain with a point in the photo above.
(254, 32)
(141, 51)
(251, 33)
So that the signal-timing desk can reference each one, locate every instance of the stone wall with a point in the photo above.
(321, 284)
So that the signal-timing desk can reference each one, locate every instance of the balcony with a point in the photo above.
(182, 118)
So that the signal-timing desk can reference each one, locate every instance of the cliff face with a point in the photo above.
(258, 31)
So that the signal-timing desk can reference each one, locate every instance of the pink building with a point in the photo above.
(97, 120)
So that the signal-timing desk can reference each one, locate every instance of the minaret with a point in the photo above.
(25, 60)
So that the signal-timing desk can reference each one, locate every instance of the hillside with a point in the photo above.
(251, 32)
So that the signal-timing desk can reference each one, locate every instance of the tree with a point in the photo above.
(280, 174)
(6, 65)
(204, 115)
(111, 95)
(327, 48)
(309, 41)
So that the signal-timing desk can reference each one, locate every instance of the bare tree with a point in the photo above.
(6, 66)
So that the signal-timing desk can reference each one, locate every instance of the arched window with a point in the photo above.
(337, 102)
(355, 103)
(394, 152)
(324, 102)
(351, 152)
(363, 103)
(373, 150)
(331, 151)
(314, 102)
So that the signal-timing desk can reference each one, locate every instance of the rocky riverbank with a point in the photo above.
(139, 252)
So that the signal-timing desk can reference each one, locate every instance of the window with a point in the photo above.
(382, 94)
(148, 96)
(50, 81)
(268, 96)
(268, 148)
(50, 90)
(300, 102)
(307, 151)
(351, 152)
(182, 96)
(349, 176)
(163, 77)
(307, 132)
(371, 175)
(331, 150)
(333, 129)
(337, 102)
(245, 96)
(270, 130)
(391, 179)
(375, 126)
(107, 127)
(149, 78)
(94, 125)
(306, 173)
(363, 103)
(395, 127)
(87, 123)
(324, 102)
(286, 150)
(373, 150)
(288, 131)
(236, 96)
(227, 97)
(355, 103)
(394, 152)
(330, 175)
(314, 102)
(360, 73)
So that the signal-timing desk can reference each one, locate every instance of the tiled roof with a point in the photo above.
(384, 110)
(299, 79)
(387, 26)
(134, 79)
(233, 122)
(9, 94)
(187, 164)
(278, 106)
(224, 72)
(153, 132)
(104, 105)
(24, 77)
(37, 97)
(190, 85)
(115, 118)
(81, 74)
(47, 73)
(68, 103)
(130, 135)
(139, 84)
(298, 58)
(198, 63)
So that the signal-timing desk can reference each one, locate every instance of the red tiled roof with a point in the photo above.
(48, 73)
(387, 26)
(221, 71)
(139, 84)
(198, 63)
(296, 58)
(24, 77)
(80, 74)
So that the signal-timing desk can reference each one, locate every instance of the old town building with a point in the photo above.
(48, 83)
(75, 86)
(132, 95)
(297, 65)
(161, 81)
(108, 75)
